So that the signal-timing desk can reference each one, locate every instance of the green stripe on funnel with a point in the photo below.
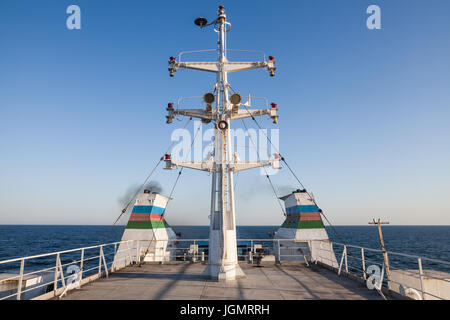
(314, 224)
(296, 224)
(146, 224)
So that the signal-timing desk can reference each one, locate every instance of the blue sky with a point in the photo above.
(364, 114)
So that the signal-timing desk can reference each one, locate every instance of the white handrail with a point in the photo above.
(278, 248)
(210, 50)
(60, 252)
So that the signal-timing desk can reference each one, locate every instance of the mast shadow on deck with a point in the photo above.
(298, 281)
(180, 275)
(353, 286)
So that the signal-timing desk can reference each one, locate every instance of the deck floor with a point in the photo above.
(183, 281)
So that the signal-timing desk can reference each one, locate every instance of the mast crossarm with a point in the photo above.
(241, 66)
(228, 66)
(238, 165)
(201, 66)
(207, 165)
(248, 113)
(195, 113)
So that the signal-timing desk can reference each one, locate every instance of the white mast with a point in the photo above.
(223, 260)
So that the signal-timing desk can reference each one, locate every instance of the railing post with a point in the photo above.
(346, 264)
(363, 264)
(63, 280)
(138, 254)
(320, 251)
(113, 266)
(331, 254)
(312, 252)
(279, 252)
(100, 262)
(81, 264)
(104, 261)
(194, 258)
(55, 283)
(419, 261)
(344, 253)
(129, 254)
(19, 285)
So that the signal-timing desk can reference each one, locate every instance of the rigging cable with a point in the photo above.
(267, 175)
(293, 173)
(301, 184)
(171, 192)
(143, 184)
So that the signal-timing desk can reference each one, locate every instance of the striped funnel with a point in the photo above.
(303, 230)
(303, 217)
(148, 212)
(148, 228)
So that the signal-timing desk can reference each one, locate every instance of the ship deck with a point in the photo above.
(184, 281)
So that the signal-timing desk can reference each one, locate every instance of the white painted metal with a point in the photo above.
(19, 288)
(36, 283)
(61, 272)
(432, 285)
(308, 241)
(344, 253)
(222, 260)
(363, 260)
(419, 262)
(149, 244)
(104, 261)
(346, 261)
(100, 261)
(55, 280)
(435, 284)
(81, 263)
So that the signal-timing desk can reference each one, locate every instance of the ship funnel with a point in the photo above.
(148, 228)
(305, 230)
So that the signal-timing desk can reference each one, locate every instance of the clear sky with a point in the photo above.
(364, 114)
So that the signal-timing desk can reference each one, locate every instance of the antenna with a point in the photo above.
(222, 108)
(383, 249)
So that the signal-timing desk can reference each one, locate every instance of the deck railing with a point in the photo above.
(53, 274)
(63, 271)
(412, 276)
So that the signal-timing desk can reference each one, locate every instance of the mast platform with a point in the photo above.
(184, 281)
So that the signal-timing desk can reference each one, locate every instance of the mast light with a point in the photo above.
(209, 98)
(235, 99)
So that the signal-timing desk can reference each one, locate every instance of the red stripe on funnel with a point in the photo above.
(146, 217)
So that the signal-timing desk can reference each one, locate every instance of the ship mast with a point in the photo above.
(222, 164)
